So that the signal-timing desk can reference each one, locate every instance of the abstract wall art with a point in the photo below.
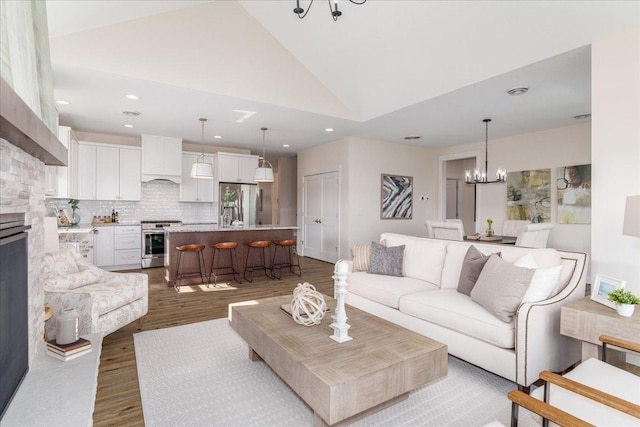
(574, 194)
(396, 197)
(529, 195)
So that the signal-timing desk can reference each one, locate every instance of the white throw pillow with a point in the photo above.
(543, 282)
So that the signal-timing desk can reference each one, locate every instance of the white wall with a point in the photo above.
(615, 145)
(540, 150)
(287, 170)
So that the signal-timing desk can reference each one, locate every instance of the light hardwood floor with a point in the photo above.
(118, 397)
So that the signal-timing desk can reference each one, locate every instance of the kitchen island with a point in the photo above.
(209, 235)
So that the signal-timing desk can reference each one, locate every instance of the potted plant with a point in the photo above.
(625, 301)
(489, 229)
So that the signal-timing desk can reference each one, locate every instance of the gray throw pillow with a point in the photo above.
(472, 265)
(386, 260)
(501, 286)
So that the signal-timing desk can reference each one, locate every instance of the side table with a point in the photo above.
(586, 320)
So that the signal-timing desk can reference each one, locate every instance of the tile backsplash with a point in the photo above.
(159, 201)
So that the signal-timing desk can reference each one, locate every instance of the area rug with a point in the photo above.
(200, 375)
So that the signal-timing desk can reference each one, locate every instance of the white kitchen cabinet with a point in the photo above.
(57, 178)
(103, 246)
(86, 167)
(118, 247)
(118, 173)
(195, 190)
(236, 167)
(161, 158)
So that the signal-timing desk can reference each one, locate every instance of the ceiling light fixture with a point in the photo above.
(217, 137)
(328, 130)
(264, 171)
(335, 13)
(201, 169)
(517, 91)
(62, 102)
(480, 177)
(131, 113)
(133, 97)
(286, 145)
(128, 126)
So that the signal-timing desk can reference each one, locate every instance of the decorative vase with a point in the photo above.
(67, 327)
(75, 218)
(489, 232)
(625, 310)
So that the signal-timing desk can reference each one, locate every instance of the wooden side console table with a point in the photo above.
(586, 320)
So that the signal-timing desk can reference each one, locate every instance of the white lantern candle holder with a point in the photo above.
(340, 326)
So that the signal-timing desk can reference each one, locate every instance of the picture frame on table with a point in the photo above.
(603, 286)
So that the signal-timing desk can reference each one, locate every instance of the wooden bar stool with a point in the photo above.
(262, 248)
(218, 250)
(182, 250)
(287, 247)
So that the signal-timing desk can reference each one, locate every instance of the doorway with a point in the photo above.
(321, 216)
(458, 200)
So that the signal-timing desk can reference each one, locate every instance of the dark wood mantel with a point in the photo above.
(23, 128)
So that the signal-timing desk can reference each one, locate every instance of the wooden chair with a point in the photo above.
(593, 393)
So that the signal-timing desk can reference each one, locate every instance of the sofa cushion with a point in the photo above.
(543, 282)
(501, 286)
(472, 266)
(453, 262)
(361, 254)
(108, 297)
(458, 312)
(423, 258)
(385, 290)
(386, 260)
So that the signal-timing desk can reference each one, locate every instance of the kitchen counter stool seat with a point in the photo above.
(182, 250)
(259, 249)
(218, 250)
(287, 247)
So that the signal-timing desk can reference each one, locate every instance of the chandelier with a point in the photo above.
(201, 168)
(480, 177)
(335, 13)
(264, 171)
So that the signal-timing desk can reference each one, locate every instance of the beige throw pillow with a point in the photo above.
(361, 255)
(501, 286)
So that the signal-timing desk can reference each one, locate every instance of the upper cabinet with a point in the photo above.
(235, 167)
(161, 158)
(195, 190)
(115, 177)
(58, 178)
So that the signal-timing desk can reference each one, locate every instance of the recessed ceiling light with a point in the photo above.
(328, 130)
(516, 91)
(217, 137)
(131, 113)
(286, 145)
(412, 137)
(133, 97)
(62, 102)
(582, 116)
(128, 126)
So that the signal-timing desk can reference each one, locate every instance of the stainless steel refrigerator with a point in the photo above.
(238, 202)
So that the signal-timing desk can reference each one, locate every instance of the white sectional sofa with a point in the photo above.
(425, 300)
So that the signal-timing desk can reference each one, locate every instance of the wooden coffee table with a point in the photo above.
(340, 382)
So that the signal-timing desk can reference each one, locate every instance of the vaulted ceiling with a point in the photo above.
(384, 70)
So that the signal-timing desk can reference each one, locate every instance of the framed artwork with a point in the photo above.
(601, 288)
(396, 197)
(574, 194)
(529, 195)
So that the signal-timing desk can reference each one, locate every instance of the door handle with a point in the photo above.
(317, 221)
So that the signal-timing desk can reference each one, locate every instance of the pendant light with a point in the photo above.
(480, 177)
(264, 171)
(201, 169)
(335, 13)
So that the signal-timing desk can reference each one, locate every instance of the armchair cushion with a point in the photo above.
(72, 281)
(106, 297)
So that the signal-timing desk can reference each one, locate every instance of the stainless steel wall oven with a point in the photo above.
(153, 241)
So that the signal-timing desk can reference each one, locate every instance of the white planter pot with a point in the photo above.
(625, 310)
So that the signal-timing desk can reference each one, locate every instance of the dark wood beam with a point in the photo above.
(23, 128)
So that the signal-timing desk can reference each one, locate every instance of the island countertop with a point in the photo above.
(195, 228)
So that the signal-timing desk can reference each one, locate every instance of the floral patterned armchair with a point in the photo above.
(105, 301)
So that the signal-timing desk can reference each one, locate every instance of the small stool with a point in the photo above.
(252, 247)
(287, 249)
(182, 250)
(219, 249)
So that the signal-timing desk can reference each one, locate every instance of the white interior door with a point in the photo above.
(320, 216)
